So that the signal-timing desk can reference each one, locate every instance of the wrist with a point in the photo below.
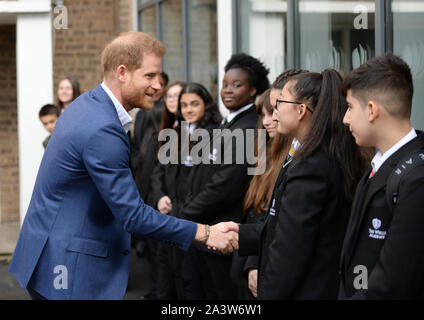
(207, 233)
(202, 234)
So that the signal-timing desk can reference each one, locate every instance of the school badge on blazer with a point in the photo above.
(374, 232)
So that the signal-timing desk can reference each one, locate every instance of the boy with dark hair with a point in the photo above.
(48, 115)
(383, 251)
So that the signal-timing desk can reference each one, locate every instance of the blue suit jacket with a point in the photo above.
(75, 238)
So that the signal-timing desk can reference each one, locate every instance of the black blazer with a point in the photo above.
(389, 244)
(144, 149)
(174, 181)
(240, 265)
(217, 190)
(301, 239)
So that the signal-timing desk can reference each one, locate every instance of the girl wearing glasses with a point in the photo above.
(301, 240)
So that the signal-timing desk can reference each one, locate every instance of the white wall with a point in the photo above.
(225, 42)
(35, 88)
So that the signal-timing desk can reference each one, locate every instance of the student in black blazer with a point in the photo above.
(163, 192)
(198, 110)
(217, 189)
(301, 239)
(383, 252)
(244, 270)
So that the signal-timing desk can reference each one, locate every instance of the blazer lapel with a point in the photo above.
(237, 117)
(100, 94)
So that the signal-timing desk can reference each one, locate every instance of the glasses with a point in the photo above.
(277, 104)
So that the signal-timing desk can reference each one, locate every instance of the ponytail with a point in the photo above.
(323, 93)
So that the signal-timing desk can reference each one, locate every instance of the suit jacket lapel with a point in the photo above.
(101, 94)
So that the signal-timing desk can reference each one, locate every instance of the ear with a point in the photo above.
(373, 110)
(121, 73)
(302, 110)
(252, 92)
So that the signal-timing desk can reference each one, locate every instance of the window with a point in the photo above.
(202, 48)
(188, 30)
(337, 34)
(262, 28)
(408, 42)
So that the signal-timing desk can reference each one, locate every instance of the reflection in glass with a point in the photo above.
(148, 21)
(262, 32)
(173, 39)
(203, 43)
(336, 33)
(408, 42)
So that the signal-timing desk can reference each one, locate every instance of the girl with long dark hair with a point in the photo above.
(197, 108)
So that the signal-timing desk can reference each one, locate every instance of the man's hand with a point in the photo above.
(165, 205)
(222, 236)
(253, 282)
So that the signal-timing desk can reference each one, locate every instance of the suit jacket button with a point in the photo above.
(126, 252)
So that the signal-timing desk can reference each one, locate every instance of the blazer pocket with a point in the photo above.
(87, 246)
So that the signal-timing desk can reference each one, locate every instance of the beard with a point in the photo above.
(135, 98)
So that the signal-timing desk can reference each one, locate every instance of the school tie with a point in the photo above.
(294, 146)
(224, 123)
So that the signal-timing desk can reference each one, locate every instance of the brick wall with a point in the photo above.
(9, 163)
(91, 25)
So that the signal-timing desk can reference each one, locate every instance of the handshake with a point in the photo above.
(222, 236)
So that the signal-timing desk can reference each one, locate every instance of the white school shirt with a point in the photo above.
(234, 114)
(380, 158)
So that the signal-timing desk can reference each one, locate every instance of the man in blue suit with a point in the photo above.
(75, 240)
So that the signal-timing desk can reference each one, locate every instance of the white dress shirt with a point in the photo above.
(123, 115)
(234, 114)
(380, 158)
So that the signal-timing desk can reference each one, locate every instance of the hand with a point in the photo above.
(223, 237)
(253, 282)
(165, 205)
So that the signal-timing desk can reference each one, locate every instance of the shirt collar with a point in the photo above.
(380, 158)
(123, 115)
(234, 114)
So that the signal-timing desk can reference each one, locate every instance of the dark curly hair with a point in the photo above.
(256, 70)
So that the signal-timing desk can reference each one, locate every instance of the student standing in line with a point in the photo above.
(383, 251)
(259, 192)
(301, 239)
(218, 189)
(245, 269)
(163, 177)
(198, 109)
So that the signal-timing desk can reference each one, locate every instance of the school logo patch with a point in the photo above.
(376, 223)
(375, 232)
